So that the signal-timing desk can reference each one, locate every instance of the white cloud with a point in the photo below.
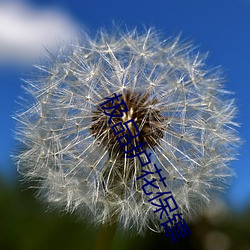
(25, 31)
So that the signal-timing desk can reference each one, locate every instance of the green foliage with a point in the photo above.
(24, 225)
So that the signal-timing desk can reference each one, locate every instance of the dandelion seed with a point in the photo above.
(183, 114)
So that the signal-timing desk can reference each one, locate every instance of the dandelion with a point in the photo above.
(182, 111)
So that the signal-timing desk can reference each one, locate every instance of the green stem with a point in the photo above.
(105, 236)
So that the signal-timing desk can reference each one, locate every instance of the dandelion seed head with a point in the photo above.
(184, 116)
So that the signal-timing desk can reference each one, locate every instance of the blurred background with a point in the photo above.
(29, 28)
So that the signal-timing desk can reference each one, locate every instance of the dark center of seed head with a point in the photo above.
(142, 110)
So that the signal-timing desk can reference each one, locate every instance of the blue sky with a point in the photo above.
(221, 27)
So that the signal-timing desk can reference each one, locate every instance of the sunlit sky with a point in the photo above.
(221, 27)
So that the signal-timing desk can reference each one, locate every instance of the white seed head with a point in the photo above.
(180, 108)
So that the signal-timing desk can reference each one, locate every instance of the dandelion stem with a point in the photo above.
(105, 236)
